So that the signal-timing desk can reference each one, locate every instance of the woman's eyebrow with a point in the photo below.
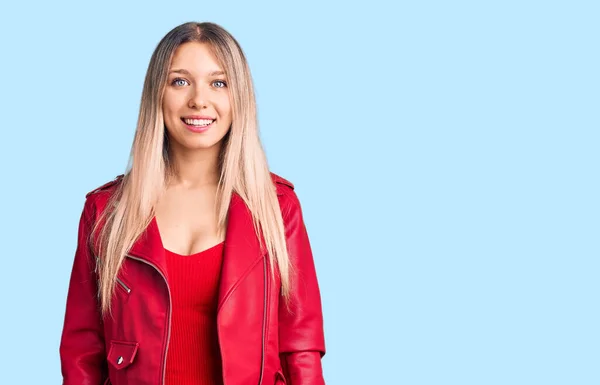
(184, 71)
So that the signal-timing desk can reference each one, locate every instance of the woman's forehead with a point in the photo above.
(196, 59)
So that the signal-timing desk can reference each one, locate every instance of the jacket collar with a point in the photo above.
(242, 247)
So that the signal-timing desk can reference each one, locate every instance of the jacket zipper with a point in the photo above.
(127, 289)
(164, 366)
(119, 281)
(264, 327)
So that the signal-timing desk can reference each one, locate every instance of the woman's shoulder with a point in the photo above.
(97, 199)
(283, 186)
(288, 200)
(106, 187)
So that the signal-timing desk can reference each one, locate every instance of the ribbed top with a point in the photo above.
(194, 357)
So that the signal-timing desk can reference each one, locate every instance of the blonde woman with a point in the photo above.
(194, 267)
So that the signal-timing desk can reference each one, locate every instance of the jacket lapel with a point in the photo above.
(149, 247)
(242, 247)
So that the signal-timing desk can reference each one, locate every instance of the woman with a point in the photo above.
(194, 267)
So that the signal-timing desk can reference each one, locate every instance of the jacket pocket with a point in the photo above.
(122, 354)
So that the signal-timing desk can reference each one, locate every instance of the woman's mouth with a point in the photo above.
(198, 125)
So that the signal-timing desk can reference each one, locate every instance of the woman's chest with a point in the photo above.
(188, 221)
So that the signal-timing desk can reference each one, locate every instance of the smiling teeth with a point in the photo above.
(198, 122)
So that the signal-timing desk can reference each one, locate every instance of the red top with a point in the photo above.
(193, 356)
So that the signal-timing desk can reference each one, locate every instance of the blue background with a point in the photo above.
(445, 154)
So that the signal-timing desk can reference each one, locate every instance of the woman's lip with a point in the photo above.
(198, 128)
(198, 117)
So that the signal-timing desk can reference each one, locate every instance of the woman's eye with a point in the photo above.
(178, 82)
(220, 83)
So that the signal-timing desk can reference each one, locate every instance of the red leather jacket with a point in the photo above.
(260, 342)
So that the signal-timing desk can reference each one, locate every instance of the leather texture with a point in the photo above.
(261, 342)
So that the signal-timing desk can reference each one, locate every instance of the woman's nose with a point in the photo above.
(197, 98)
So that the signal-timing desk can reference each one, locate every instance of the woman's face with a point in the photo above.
(196, 106)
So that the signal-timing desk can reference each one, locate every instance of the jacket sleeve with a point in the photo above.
(82, 348)
(301, 337)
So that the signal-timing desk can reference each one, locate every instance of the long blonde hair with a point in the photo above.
(243, 164)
